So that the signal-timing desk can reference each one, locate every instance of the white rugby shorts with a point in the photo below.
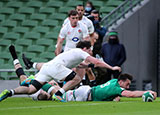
(52, 71)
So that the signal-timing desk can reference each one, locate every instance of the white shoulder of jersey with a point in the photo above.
(82, 24)
(86, 19)
(65, 21)
(89, 24)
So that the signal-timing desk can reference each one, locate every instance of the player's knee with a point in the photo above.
(37, 85)
(70, 76)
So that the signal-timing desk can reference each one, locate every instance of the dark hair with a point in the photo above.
(72, 13)
(124, 77)
(95, 12)
(42, 97)
(89, 2)
(79, 5)
(83, 44)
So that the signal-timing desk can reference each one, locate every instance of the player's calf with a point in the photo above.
(19, 69)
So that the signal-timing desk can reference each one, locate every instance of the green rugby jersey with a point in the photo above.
(107, 91)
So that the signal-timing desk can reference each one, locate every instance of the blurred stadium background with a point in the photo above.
(33, 26)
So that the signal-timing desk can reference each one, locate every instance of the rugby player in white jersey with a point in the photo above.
(83, 19)
(60, 68)
(72, 32)
(90, 27)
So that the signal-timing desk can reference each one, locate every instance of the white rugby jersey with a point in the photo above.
(71, 58)
(73, 34)
(85, 21)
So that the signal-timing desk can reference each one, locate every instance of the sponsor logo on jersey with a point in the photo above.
(75, 39)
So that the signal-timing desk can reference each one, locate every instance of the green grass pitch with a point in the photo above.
(127, 106)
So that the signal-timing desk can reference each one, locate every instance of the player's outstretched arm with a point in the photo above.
(99, 63)
(127, 93)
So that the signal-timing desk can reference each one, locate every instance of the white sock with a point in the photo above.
(62, 90)
(50, 89)
(34, 65)
(16, 61)
(12, 91)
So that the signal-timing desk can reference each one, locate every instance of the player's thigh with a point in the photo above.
(58, 71)
(55, 71)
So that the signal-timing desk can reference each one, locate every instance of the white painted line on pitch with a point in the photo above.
(46, 106)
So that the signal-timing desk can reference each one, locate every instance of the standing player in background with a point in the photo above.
(80, 9)
(72, 32)
(83, 19)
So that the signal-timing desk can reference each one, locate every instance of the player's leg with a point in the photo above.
(71, 81)
(29, 64)
(19, 71)
(34, 87)
(22, 77)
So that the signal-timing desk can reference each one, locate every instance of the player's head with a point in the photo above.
(80, 10)
(43, 96)
(85, 46)
(73, 17)
(124, 80)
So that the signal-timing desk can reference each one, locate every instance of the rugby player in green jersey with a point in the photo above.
(111, 90)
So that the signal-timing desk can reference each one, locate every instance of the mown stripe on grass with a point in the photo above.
(46, 106)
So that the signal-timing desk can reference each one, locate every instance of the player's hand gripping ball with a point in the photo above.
(147, 97)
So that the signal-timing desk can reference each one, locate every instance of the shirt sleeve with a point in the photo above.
(83, 54)
(65, 22)
(91, 27)
(85, 31)
(62, 33)
(119, 90)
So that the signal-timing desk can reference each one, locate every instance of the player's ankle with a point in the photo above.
(11, 92)
(60, 92)
(34, 65)
(16, 61)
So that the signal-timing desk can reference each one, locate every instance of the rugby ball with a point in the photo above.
(147, 97)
